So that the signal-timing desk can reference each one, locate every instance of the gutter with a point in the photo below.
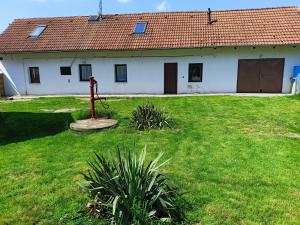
(294, 45)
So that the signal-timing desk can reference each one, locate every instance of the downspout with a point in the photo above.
(24, 73)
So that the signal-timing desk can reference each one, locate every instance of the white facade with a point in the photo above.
(145, 71)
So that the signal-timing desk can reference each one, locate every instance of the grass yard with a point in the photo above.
(238, 158)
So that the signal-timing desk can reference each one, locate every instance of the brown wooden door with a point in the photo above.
(271, 75)
(171, 74)
(260, 76)
(248, 76)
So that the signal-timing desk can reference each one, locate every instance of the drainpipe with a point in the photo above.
(24, 74)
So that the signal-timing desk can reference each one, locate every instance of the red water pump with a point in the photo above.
(93, 91)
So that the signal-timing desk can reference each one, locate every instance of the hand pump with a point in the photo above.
(93, 85)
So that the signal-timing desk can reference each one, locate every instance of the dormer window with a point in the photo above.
(140, 28)
(38, 31)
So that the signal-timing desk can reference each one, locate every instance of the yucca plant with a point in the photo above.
(148, 116)
(128, 191)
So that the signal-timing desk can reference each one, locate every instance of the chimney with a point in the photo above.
(210, 22)
(100, 10)
(210, 19)
(98, 17)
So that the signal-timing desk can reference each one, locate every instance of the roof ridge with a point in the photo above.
(153, 13)
(204, 11)
(52, 17)
(256, 9)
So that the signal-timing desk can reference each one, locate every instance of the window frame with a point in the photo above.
(64, 67)
(44, 27)
(31, 68)
(116, 73)
(201, 73)
(80, 72)
(144, 30)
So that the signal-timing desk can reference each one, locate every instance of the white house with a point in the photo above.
(232, 51)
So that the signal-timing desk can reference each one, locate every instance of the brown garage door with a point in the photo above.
(171, 78)
(260, 75)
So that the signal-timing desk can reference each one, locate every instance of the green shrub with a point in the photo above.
(147, 116)
(86, 114)
(126, 190)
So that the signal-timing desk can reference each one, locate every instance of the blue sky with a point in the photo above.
(11, 9)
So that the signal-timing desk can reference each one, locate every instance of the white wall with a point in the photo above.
(145, 74)
(14, 70)
(220, 68)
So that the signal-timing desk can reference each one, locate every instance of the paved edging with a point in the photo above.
(158, 96)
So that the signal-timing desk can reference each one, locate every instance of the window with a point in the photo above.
(65, 70)
(38, 31)
(121, 73)
(140, 28)
(85, 71)
(195, 72)
(34, 75)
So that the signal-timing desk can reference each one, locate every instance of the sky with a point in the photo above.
(12, 9)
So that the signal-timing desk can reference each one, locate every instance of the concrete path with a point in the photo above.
(149, 95)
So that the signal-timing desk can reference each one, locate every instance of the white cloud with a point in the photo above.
(163, 6)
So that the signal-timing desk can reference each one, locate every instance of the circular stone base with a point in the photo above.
(93, 124)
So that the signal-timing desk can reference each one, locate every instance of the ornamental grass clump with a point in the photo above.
(147, 116)
(126, 190)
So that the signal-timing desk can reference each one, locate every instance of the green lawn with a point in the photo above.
(238, 158)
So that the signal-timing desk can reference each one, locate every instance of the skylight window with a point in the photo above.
(140, 28)
(38, 31)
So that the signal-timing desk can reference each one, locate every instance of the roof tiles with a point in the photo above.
(253, 27)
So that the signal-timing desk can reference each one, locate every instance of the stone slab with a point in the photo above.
(93, 125)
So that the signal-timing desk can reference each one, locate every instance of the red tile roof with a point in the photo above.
(253, 27)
